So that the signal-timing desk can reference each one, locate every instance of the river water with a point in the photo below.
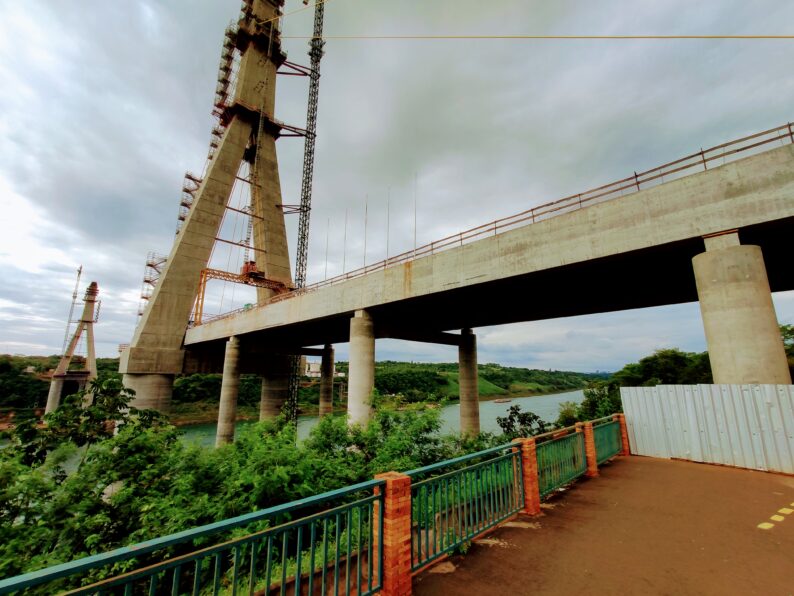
(545, 406)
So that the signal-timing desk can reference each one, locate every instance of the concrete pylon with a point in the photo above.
(230, 385)
(327, 381)
(62, 372)
(742, 333)
(155, 354)
(361, 380)
(275, 386)
(467, 380)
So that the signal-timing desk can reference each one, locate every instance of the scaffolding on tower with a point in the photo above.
(155, 264)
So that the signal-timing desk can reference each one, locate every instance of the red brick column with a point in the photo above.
(396, 580)
(529, 473)
(590, 451)
(624, 434)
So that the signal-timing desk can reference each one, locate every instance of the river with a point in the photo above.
(545, 406)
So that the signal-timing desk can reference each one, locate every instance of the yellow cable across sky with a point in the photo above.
(543, 37)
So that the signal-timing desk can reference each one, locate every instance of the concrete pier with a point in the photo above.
(742, 332)
(275, 386)
(362, 368)
(467, 379)
(327, 381)
(54, 395)
(227, 414)
(152, 391)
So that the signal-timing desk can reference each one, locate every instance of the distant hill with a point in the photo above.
(409, 381)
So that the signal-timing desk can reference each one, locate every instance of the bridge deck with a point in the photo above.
(633, 251)
(646, 526)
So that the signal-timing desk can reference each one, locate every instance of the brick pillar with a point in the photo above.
(590, 451)
(624, 434)
(396, 539)
(529, 471)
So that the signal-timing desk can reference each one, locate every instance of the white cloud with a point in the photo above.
(100, 116)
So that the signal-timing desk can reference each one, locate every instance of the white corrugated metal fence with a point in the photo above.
(748, 426)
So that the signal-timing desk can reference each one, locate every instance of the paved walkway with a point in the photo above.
(645, 526)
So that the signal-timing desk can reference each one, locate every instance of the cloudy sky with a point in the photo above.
(104, 104)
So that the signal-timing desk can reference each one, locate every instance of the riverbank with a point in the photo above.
(545, 406)
(206, 412)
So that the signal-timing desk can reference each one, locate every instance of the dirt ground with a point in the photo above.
(645, 526)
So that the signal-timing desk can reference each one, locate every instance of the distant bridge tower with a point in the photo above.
(247, 132)
(85, 325)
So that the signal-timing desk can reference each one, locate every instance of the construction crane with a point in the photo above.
(71, 311)
(301, 257)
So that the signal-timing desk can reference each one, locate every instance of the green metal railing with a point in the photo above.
(327, 543)
(607, 439)
(452, 508)
(333, 551)
(560, 461)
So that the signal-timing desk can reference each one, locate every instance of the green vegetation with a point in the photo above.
(195, 397)
(18, 389)
(787, 331)
(521, 424)
(74, 487)
(669, 367)
(22, 391)
(425, 382)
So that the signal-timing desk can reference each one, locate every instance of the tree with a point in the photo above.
(19, 389)
(520, 424)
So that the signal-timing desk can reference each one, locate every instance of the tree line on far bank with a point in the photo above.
(406, 381)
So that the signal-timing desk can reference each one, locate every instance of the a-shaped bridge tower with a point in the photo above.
(245, 106)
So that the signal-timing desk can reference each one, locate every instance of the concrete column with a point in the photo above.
(54, 396)
(742, 332)
(275, 386)
(227, 413)
(327, 381)
(467, 379)
(362, 368)
(152, 391)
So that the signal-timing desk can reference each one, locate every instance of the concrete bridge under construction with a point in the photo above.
(714, 226)
(719, 236)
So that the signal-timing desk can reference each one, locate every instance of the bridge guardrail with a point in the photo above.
(359, 539)
(450, 509)
(629, 185)
(561, 460)
(607, 440)
(334, 549)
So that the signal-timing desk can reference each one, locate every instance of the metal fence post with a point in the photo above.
(590, 451)
(624, 434)
(529, 472)
(396, 539)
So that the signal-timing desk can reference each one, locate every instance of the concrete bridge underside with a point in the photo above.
(655, 276)
(632, 252)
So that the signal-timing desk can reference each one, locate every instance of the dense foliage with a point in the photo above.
(19, 389)
(669, 366)
(142, 481)
(521, 424)
(22, 391)
(432, 382)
